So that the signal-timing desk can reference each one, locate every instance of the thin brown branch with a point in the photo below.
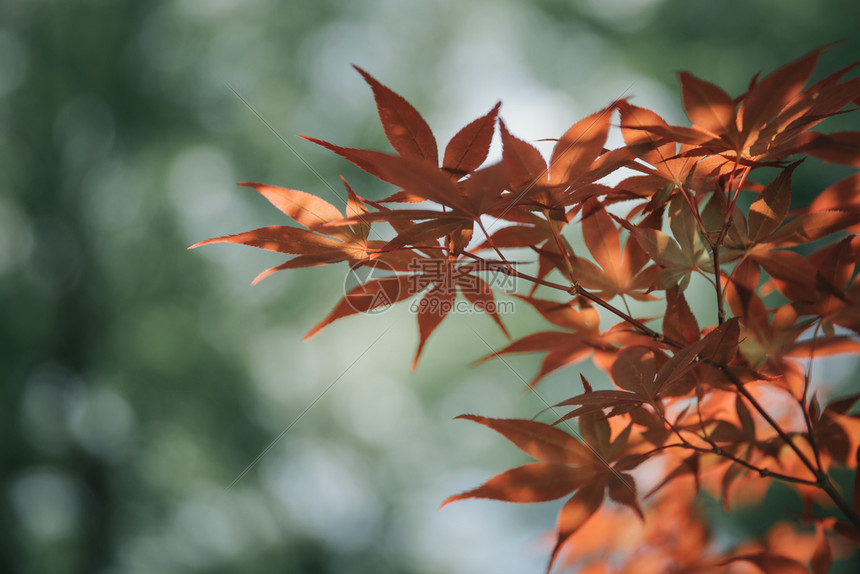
(562, 249)
(493, 245)
(718, 284)
(821, 479)
(804, 402)
(719, 451)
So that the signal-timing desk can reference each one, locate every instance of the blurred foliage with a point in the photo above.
(139, 380)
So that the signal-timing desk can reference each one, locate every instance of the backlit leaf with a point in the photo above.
(432, 309)
(770, 209)
(707, 106)
(539, 440)
(368, 296)
(575, 513)
(306, 209)
(533, 482)
(579, 146)
(822, 557)
(525, 163)
(404, 127)
(772, 563)
(634, 371)
(601, 237)
(769, 96)
(469, 147)
(679, 323)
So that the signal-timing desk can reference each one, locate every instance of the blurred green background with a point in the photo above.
(140, 380)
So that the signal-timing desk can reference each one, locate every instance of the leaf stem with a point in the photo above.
(562, 249)
(716, 245)
(803, 400)
(493, 245)
(695, 211)
(718, 284)
(840, 502)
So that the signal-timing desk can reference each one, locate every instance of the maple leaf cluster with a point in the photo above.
(726, 407)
